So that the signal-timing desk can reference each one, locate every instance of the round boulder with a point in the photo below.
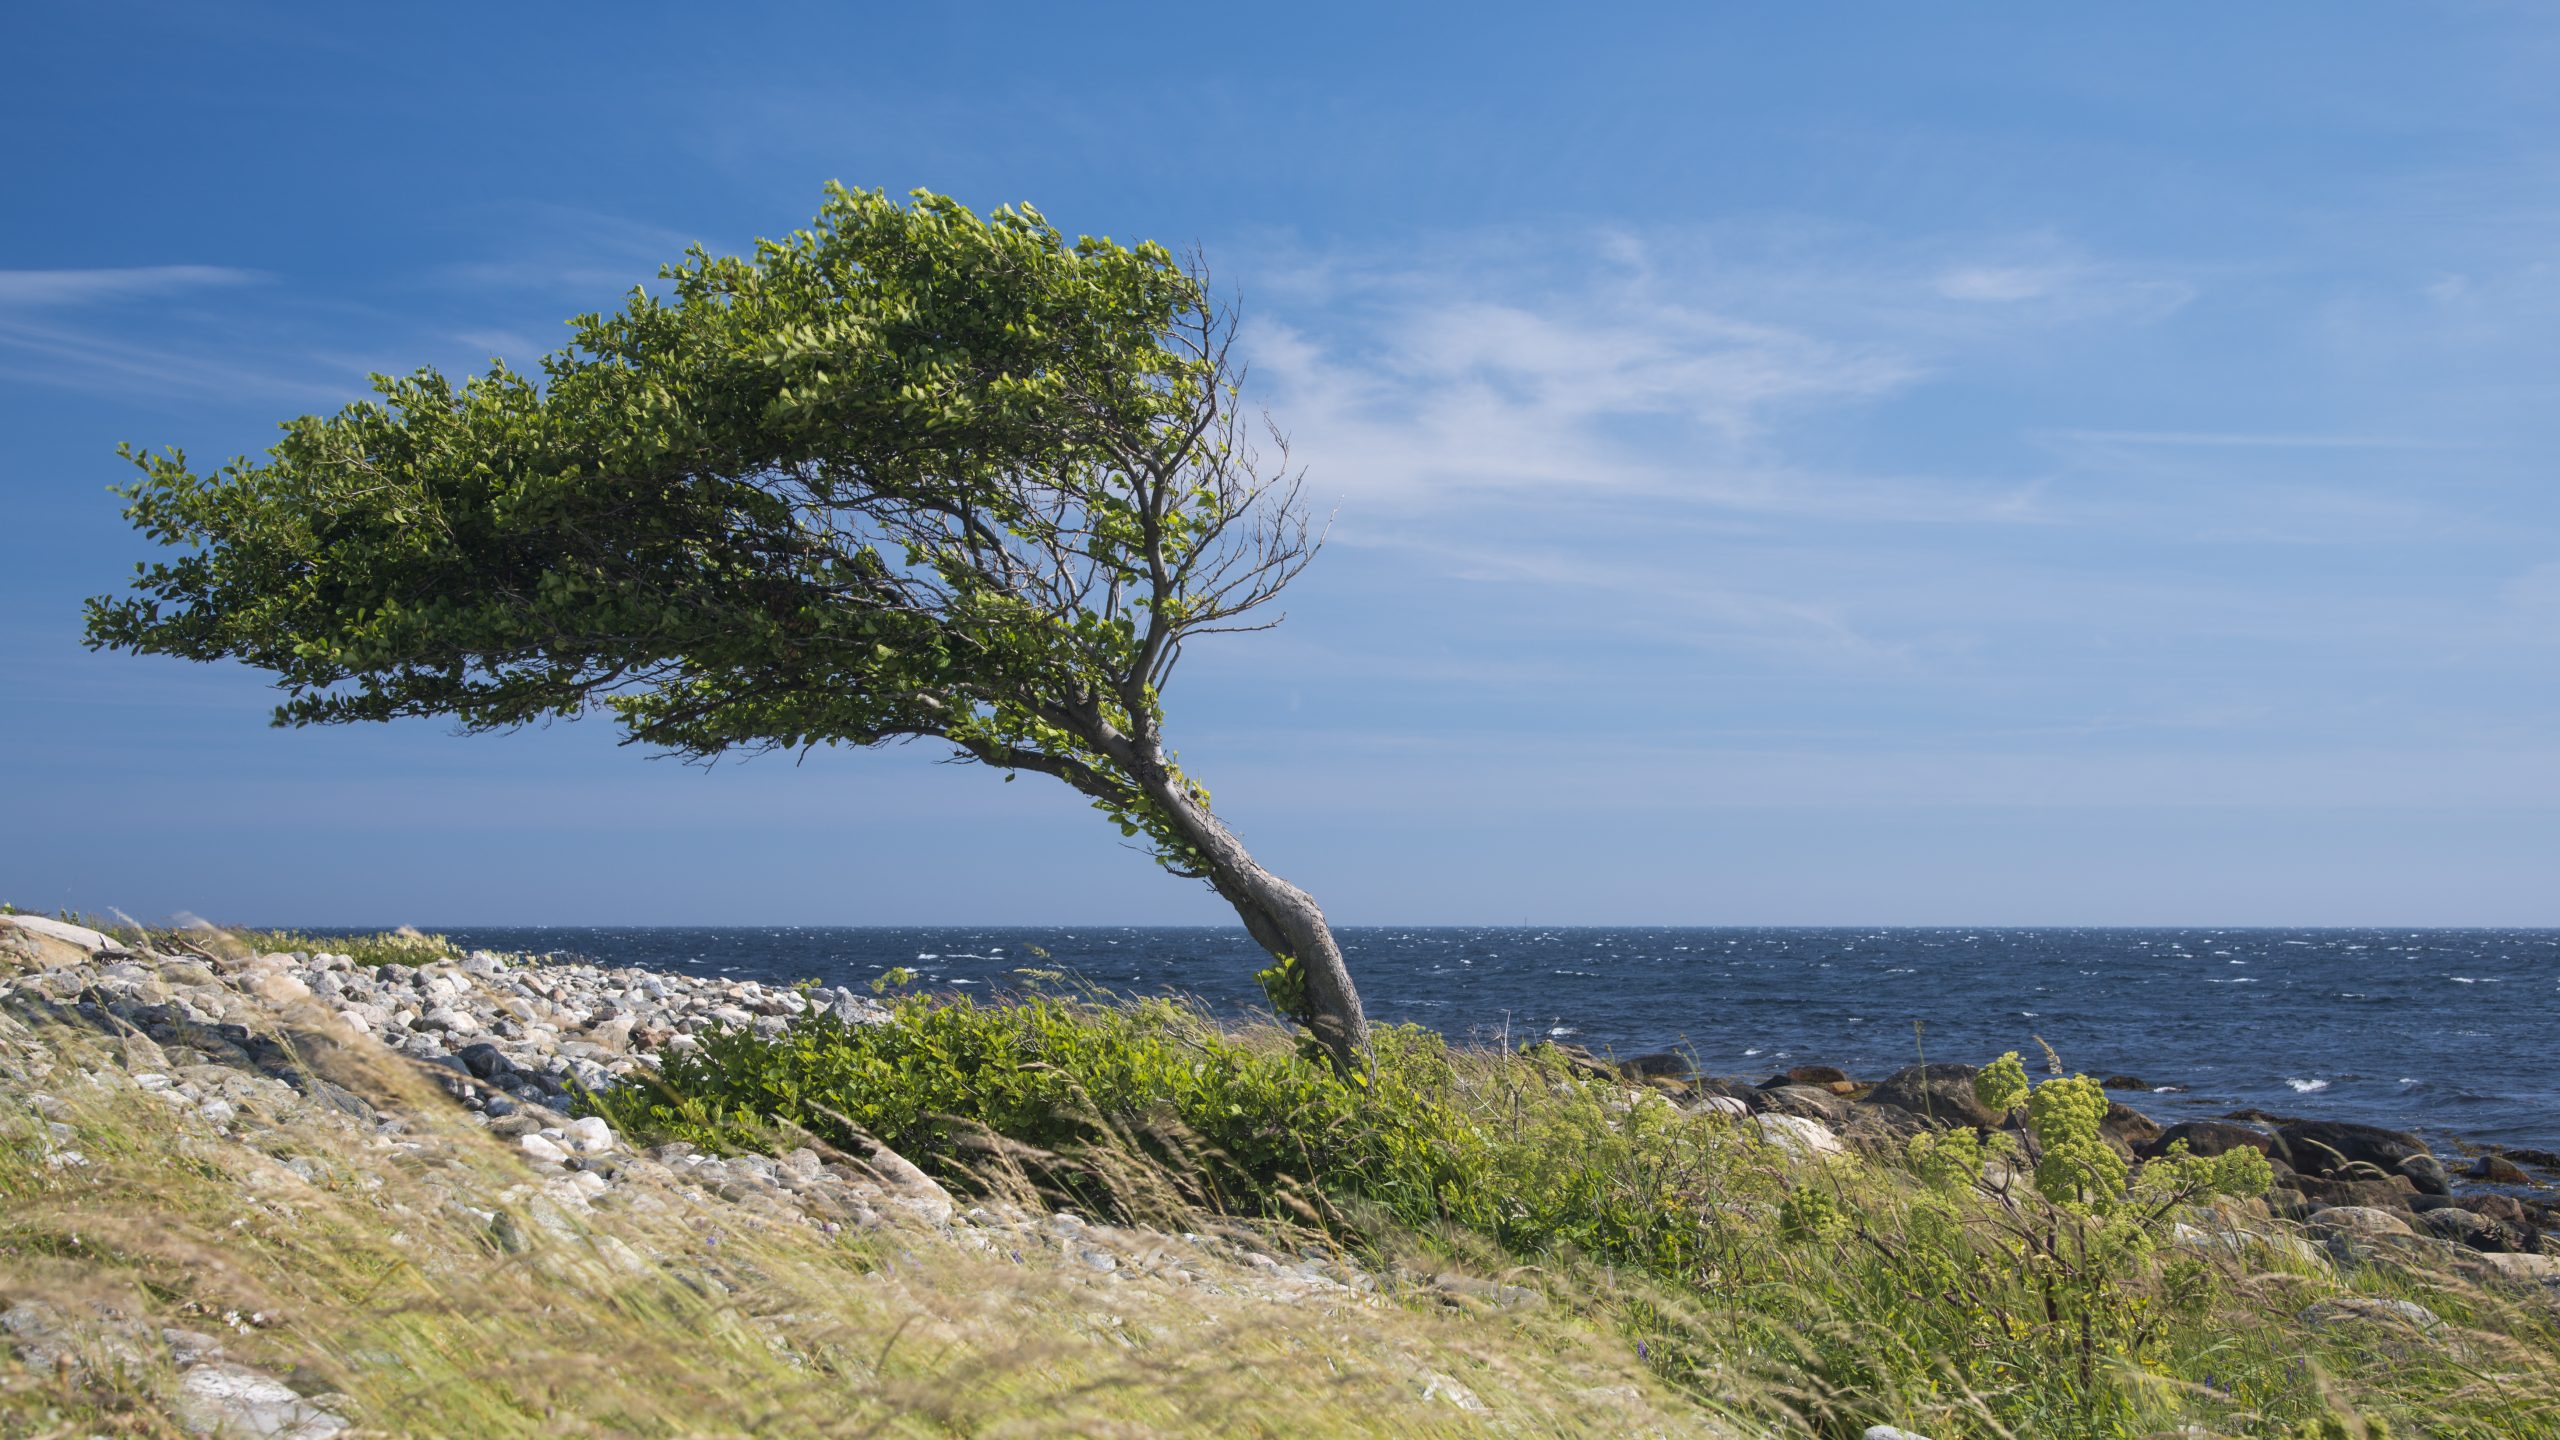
(2207, 1138)
(2428, 1174)
(2372, 1144)
(2359, 1220)
(1941, 1093)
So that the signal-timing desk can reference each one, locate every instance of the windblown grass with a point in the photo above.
(1815, 1296)
(424, 1284)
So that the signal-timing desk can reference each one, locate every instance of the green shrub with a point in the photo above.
(403, 946)
(1983, 1286)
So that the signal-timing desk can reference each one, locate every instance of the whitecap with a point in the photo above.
(928, 957)
(2307, 1087)
(1750, 1052)
(2462, 980)
(1561, 1030)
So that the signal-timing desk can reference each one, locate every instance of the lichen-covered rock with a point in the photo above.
(234, 1402)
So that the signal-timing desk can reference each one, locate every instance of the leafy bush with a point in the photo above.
(1973, 1285)
(403, 946)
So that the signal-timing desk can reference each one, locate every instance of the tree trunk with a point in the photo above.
(1283, 919)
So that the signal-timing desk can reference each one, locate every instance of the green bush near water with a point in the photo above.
(1969, 1287)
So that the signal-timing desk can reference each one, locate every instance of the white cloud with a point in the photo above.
(1996, 283)
(1689, 366)
(53, 288)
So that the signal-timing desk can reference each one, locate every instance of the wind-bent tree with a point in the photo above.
(912, 473)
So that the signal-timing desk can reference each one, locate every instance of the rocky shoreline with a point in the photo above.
(2492, 1200)
(242, 1046)
(510, 1038)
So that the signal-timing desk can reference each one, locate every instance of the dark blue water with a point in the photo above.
(2454, 1032)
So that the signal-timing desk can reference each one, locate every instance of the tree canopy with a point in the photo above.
(911, 472)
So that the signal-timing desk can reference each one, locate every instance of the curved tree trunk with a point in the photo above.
(1283, 919)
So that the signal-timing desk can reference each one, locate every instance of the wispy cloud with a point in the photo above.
(1683, 366)
(2242, 440)
(31, 289)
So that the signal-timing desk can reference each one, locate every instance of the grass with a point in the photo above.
(386, 1280)
(1637, 1269)
(1833, 1295)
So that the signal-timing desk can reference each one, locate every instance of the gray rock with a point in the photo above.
(226, 1400)
(1941, 1092)
(2370, 1309)
(2359, 1220)
(2452, 1222)
(2428, 1174)
(1890, 1432)
(485, 1060)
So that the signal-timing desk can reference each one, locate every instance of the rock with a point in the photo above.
(1799, 1137)
(1942, 1093)
(2205, 1138)
(1441, 1388)
(1749, 1096)
(2428, 1174)
(485, 1061)
(1807, 1101)
(1658, 1064)
(1724, 1105)
(589, 1135)
(2369, 1143)
(2371, 1309)
(2372, 1194)
(1819, 1076)
(2123, 1082)
(2128, 1129)
(219, 1398)
(1882, 1127)
(95, 942)
(1890, 1432)
(2452, 1222)
(2496, 1170)
(613, 1035)
(2541, 1268)
(542, 1148)
(2360, 1220)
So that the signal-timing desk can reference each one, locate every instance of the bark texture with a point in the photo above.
(1283, 919)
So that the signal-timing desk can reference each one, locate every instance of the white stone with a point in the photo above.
(590, 1135)
(63, 930)
(1798, 1136)
(236, 1401)
(541, 1149)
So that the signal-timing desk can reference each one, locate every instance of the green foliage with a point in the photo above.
(1284, 984)
(1257, 1127)
(2001, 1086)
(914, 471)
(387, 947)
(2075, 1166)
(1951, 1290)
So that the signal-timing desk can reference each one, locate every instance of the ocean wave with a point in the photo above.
(2307, 1087)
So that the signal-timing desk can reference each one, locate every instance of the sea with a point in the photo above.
(2453, 1033)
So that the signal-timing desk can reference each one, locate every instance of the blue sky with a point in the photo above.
(1791, 464)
